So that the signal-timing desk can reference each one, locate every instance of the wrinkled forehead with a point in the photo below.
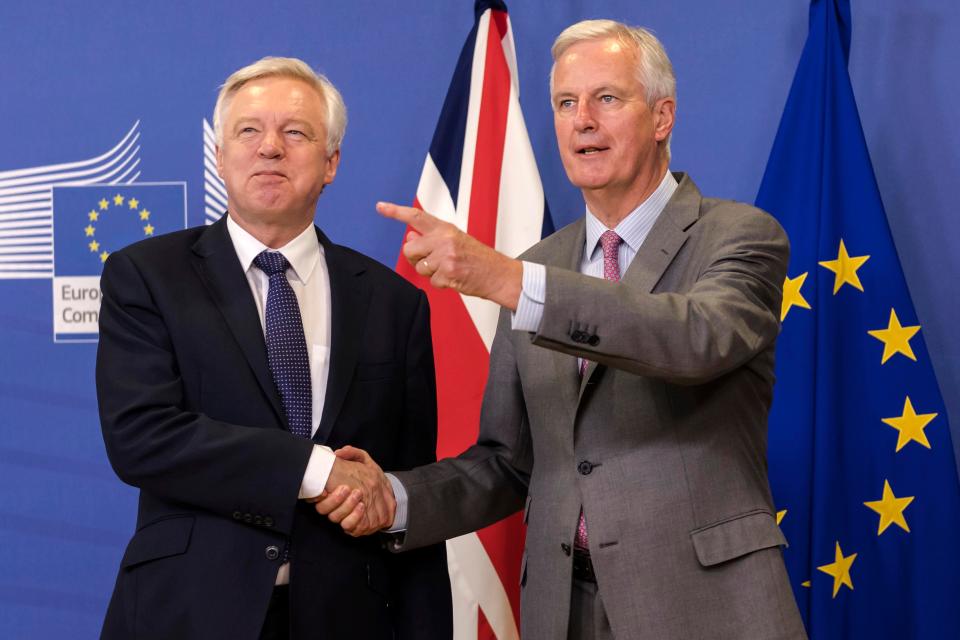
(597, 62)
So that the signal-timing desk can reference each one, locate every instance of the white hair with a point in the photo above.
(654, 69)
(271, 67)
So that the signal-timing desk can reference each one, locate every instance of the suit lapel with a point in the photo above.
(349, 299)
(659, 248)
(216, 263)
(569, 256)
(666, 237)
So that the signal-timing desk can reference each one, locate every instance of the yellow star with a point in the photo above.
(911, 425)
(148, 230)
(144, 215)
(104, 256)
(895, 338)
(94, 246)
(104, 204)
(792, 296)
(89, 229)
(133, 203)
(890, 508)
(780, 515)
(805, 583)
(840, 570)
(845, 267)
(93, 215)
(118, 199)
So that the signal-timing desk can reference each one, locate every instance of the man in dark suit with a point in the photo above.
(232, 358)
(630, 380)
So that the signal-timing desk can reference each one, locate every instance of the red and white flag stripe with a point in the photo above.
(492, 191)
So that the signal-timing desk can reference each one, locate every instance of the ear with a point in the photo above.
(219, 161)
(664, 113)
(332, 163)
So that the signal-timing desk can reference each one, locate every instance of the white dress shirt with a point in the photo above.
(310, 281)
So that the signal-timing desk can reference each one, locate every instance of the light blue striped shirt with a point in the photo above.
(633, 230)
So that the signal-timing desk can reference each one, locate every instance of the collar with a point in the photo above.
(634, 228)
(302, 252)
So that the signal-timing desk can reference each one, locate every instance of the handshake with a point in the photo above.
(358, 495)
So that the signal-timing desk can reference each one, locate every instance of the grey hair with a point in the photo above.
(654, 69)
(270, 67)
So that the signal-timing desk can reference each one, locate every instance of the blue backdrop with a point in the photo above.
(77, 79)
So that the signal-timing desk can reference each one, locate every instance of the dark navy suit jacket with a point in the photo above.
(191, 417)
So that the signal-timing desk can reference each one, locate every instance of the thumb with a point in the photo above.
(352, 453)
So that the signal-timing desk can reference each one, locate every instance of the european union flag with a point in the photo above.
(860, 450)
(90, 222)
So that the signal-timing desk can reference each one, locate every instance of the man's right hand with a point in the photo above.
(358, 495)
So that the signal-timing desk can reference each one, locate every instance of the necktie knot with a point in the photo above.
(610, 242)
(271, 262)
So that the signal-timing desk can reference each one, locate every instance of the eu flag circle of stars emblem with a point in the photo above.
(131, 208)
(910, 425)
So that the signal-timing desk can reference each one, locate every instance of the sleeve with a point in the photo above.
(317, 472)
(729, 314)
(155, 444)
(529, 311)
(488, 481)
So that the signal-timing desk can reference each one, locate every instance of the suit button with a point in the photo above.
(258, 519)
(237, 515)
(585, 467)
(593, 340)
(268, 521)
(248, 518)
(578, 336)
(272, 552)
(565, 548)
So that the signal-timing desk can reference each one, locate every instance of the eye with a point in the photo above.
(565, 105)
(247, 131)
(296, 133)
(608, 99)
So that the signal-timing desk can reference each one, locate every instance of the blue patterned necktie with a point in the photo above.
(286, 345)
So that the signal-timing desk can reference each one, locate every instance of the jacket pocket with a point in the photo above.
(160, 539)
(735, 537)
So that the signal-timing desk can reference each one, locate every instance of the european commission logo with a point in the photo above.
(89, 208)
(89, 223)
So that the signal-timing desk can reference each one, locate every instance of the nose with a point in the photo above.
(583, 119)
(271, 145)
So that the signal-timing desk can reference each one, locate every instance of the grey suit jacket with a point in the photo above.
(662, 442)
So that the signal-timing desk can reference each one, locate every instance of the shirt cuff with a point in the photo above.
(318, 472)
(400, 495)
(529, 311)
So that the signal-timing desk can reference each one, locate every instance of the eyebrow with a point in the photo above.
(295, 122)
(600, 89)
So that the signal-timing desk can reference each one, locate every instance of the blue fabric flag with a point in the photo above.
(861, 460)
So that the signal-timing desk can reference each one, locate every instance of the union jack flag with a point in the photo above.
(481, 176)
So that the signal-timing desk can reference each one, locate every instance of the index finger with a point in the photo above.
(415, 218)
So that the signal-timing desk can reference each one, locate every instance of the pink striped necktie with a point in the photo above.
(610, 242)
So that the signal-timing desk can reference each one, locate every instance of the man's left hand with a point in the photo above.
(453, 259)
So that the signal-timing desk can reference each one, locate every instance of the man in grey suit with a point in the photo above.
(629, 413)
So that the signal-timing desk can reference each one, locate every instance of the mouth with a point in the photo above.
(268, 174)
(590, 150)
